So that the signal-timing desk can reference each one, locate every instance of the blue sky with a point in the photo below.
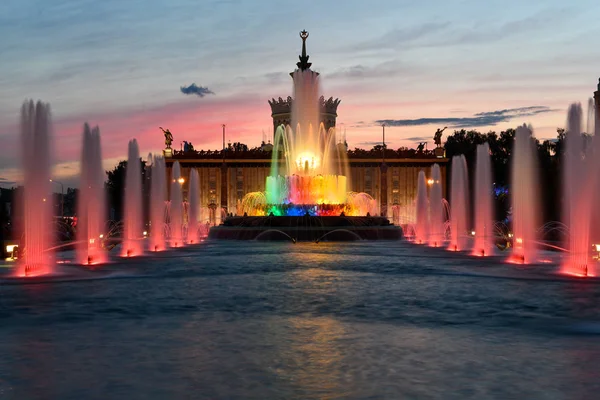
(120, 64)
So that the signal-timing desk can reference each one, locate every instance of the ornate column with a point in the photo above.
(383, 192)
(224, 185)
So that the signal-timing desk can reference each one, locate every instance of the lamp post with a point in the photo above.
(383, 128)
(62, 197)
(223, 125)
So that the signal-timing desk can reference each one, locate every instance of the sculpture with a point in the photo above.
(420, 147)
(437, 138)
(168, 137)
(303, 64)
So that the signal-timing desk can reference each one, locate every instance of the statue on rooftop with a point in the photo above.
(437, 138)
(168, 137)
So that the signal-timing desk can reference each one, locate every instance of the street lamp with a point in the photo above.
(62, 197)
(383, 141)
(223, 125)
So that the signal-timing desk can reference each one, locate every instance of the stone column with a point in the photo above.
(224, 185)
(383, 192)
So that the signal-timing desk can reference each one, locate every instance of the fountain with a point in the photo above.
(525, 205)
(36, 214)
(309, 175)
(176, 208)
(311, 178)
(579, 177)
(132, 221)
(459, 187)
(158, 198)
(194, 207)
(484, 207)
(422, 225)
(436, 208)
(91, 204)
(313, 174)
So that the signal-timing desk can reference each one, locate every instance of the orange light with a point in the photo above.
(181, 180)
(430, 181)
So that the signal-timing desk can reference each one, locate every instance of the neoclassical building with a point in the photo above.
(227, 176)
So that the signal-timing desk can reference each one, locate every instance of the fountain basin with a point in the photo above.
(306, 228)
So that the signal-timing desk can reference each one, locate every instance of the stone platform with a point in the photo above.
(306, 228)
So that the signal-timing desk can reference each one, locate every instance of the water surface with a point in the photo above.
(283, 321)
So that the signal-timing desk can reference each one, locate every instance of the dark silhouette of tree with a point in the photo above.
(115, 187)
(549, 158)
(70, 202)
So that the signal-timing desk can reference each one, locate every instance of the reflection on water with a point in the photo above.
(284, 321)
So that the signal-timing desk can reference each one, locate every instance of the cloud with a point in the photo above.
(369, 143)
(200, 91)
(418, 138)
(387, 69)
(448, 33)
(488, 118)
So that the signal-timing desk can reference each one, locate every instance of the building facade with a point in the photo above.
(225, 181)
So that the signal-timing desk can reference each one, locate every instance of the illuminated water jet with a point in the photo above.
(194, 207)
(132, 219)
(484, 211)
(580, 188)
(524, 197)
(422, 224)
(436, 208)
(176, 208)
(91, 204)
(459, 186)
(36, 212)
(158, 198)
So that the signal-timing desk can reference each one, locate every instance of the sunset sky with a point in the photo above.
(419, 65)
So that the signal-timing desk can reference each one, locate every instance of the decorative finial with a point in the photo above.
(304, 64)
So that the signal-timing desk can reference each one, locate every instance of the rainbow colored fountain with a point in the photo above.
(308, 187)
(309, 169)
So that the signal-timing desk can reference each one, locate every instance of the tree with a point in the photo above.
(115, 186)
(549, 157)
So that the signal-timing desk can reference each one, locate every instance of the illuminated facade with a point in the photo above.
(224, 183)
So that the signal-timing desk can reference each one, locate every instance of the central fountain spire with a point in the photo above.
(304, 64)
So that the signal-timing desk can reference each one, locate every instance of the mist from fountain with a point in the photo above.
(484, 206)
(525, 201)
(194, 207)
(459, 201)
(436, 208)
(422, 224)
(176, 209)
(580, 169)
(158, 199)
(132, 218)
(36, 229)
(91, 204)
